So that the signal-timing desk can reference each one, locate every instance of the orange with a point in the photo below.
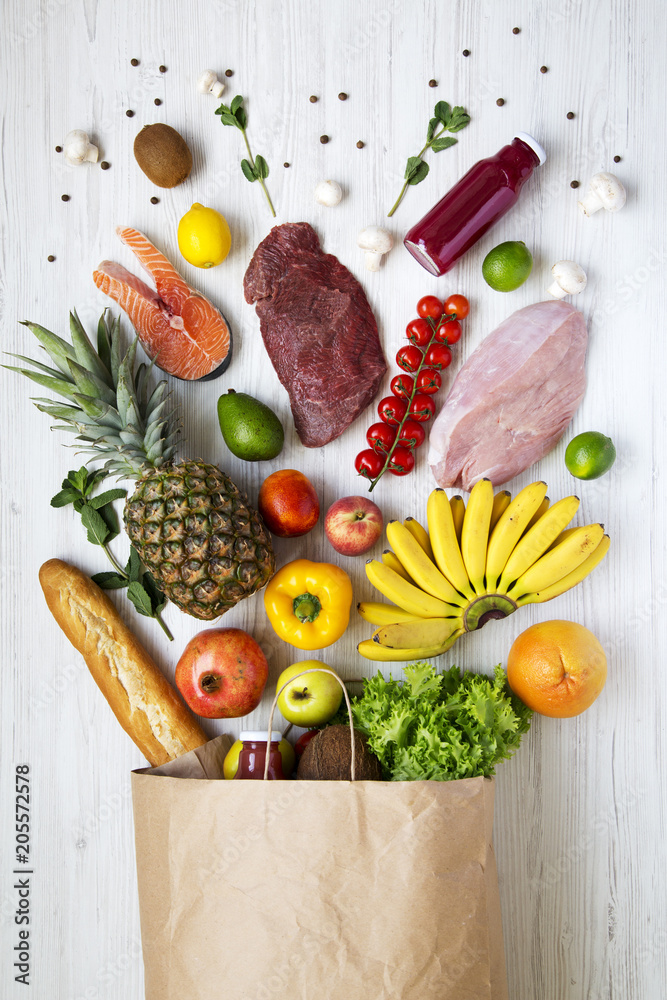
(557, 668)
(288, 503)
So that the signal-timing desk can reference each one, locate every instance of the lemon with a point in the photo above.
(203, 236)
(590, 455)
(507, 266)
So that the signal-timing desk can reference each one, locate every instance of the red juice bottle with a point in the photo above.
(471, 207)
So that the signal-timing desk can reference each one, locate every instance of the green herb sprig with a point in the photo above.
(254, 168)
(445, 119)
(101, 523)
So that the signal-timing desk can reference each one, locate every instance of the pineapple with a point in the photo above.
(205, 546)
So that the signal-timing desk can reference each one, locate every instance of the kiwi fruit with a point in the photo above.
(163, 155)
(328, 757)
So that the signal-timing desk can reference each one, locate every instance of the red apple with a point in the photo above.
(222, 673)
(303, 741)
(353, 525)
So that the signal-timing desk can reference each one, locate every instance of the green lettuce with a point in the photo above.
(439, 726)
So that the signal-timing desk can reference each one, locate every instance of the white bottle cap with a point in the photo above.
(258, 737)
(534, 145)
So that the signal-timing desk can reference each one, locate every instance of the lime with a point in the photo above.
(590, 455)
(507, 266)
(203, 236)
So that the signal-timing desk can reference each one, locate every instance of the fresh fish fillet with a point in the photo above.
(178, 326)
(513, 398)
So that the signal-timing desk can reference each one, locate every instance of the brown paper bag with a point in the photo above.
(315, 890)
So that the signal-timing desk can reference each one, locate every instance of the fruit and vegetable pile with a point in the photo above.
(198, 542)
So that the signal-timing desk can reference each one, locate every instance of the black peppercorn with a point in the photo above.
(134, 62)
(130, 114)
(515, 31)
(157, 102)
(466, 52)
(229, 72)
(64, 197)
(570, 115)
(50, 258)
(574, 184)
(312, 99)
(544, 69)
(286, 164)
(154, 200)
(342, 96)
(360, 144)
(59, 149)
(433, 83)
(163, 69)
(500, 102)
(324, 139)
(104, 165)
(617, 159)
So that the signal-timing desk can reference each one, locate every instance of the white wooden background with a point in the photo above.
(580, 820)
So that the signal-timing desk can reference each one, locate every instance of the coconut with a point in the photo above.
(327, 757)
(163, 155)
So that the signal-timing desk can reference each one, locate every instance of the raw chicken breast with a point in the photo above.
(513, 398)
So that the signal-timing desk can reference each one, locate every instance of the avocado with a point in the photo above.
(251, 429)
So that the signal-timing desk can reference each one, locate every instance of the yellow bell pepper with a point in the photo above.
(308, 603)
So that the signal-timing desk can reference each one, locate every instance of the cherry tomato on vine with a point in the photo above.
(428, 381)
(449, 332)
(401, 462)
(381, 437)
(369, 464)
(438, 356)
(409, 358)
(391, 409)
(422, 407)
(412, 435)
(430, 306)
(418, 332)
(402, 385)
(458, 306)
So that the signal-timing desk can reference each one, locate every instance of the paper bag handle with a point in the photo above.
(313, 670)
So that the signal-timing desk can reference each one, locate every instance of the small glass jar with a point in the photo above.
(252, 756)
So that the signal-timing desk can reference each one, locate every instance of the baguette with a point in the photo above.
(142, 699)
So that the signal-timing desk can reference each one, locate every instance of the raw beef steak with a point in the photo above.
(513, 398)
(318, 329)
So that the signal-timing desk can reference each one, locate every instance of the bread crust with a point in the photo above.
(142, 699)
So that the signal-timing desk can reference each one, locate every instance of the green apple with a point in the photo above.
(231, 762)
(310, 700)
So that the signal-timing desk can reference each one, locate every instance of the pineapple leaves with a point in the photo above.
(86, 354)
(58, 349)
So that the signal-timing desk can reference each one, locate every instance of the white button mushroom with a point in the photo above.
(604, 191)
(78, 148)
(328, 193)
(208, 83)
(569, 279)
(376, 242)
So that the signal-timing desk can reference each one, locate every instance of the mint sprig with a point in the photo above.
(254, 168)
(101, 523)
(445, 119)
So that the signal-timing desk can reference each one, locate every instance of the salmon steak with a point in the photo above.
(177, 326)
(512, 400)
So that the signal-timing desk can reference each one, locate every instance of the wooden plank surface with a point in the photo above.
(580, 815)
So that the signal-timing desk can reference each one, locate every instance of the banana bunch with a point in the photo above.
(475, 563)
